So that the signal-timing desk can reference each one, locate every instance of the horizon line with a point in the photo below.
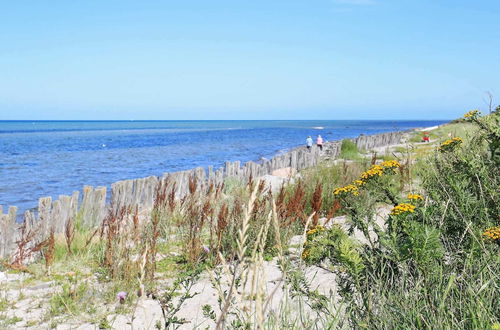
(145, 120)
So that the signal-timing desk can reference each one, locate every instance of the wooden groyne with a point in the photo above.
(91, 208)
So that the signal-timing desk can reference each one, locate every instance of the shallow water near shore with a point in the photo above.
(49, 158)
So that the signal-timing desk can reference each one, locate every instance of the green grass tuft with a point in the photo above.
(349, 150)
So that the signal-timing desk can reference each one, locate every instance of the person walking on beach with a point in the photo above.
(309, 142)
(319, 142)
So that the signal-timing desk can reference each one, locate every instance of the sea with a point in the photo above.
(50, 158)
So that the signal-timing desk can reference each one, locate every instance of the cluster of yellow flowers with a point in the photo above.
(359, 182)
(390, 164)
(403, 208)
(492, 233)
(471, 114)
(310, 236)
(373, 171)
(350, 188)
(450, 144)
(454, 140)
(315, 230)
(415, 197)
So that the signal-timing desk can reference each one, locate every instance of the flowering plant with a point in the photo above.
(403, 208)
(353, 189)
(415, 197)
(121, 296)
(451, 144)
(492, 234)
(472, 114)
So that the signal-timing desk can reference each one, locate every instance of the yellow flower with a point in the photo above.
(359, 182)
(390, 164)
(492, 233)
(450, 144)
(311, 231)
(471, 114)
(403, 208)
(347, 189)
(415, 197)
(315, 230)
(373, 171)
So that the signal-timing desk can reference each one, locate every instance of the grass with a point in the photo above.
(7, 321)
(71, 300)
(409, 267)
(430, 268)
(171, 265)
(4, 304)
(441, 133)
(349, 150)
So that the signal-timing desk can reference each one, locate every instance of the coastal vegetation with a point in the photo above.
(409, 239)
(349, 150)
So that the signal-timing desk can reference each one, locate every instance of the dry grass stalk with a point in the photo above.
(336, 206)
(142, 270)
(235, 273)
(111, 231)
(237, 209)
(48, 253)
(258, 288)
(277, 232)
(221, 224)
(261, 187)
(253, 304)
(207, 212)
(317, 202)
(193, 245)
(193, 184)
(91, 236)
(23, 250)
(69, 234)
(281, 260)
(250, 182)
(161, 200)
(210, 188)
(218, 191)
(258, 273)
(197, 212)
(45, 247)
(171, 197)
(304, 234)
(260, 242)
(135, 224)
(280, 201)
(295, 205)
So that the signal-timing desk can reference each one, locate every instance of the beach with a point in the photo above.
(187, 226)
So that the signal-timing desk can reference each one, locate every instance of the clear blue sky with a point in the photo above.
(269, 59)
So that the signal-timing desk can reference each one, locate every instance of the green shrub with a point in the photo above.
(431, 268)
(349, 150)
(334, 244)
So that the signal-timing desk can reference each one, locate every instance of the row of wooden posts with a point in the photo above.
(91, 207)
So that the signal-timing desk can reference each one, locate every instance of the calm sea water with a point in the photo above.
(49, 158)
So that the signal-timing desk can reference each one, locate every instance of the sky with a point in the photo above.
(258, 59)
